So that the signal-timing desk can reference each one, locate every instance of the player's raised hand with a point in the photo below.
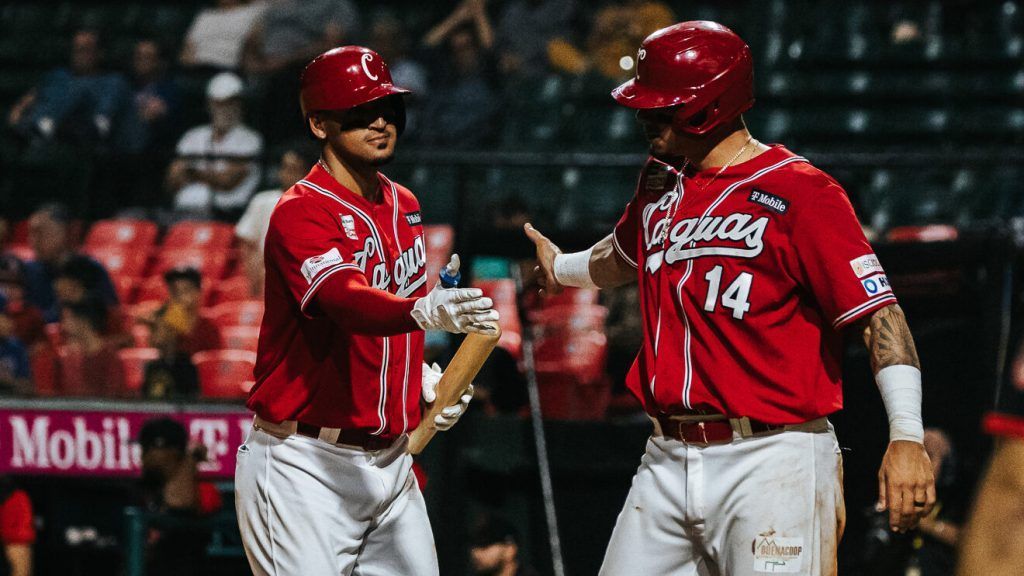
(906, 485)
(544, 272)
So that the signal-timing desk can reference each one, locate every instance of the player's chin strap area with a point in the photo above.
(900, 386)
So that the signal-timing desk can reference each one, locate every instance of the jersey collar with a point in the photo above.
(774, 153)
(324, 180)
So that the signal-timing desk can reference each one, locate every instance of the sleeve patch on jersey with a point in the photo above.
(776, 554)
(875, 285)
(313, 265)
(414, 218)
(349, 224)
(866, 265)
(770, 201)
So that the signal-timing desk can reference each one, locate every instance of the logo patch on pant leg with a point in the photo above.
(777, 554)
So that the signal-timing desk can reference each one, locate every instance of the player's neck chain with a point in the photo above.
(663, 235)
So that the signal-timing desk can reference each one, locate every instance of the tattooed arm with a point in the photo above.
(906, 485)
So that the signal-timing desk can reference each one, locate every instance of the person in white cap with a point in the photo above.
(217, 166)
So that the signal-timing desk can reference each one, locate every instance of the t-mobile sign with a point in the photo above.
(87, 442)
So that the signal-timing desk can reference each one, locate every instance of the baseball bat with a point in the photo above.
(459, 374)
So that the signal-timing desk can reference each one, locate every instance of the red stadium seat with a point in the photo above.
(203, 235)
(929, 233)
(241, 337)
(241, 313)
(133, 361)
(122, 232)
(569, 319)
(579, 356)
(125, 286)
(230, 290)
(503, 292)
(152, 289)
(23, 252)
(562, 398)
(121, 260)
(439, 239)
(571, 296)
(225, 374)
(211, 263)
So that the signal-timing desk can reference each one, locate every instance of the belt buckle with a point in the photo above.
(700, 427)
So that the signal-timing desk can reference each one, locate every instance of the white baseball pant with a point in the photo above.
(306, 507)
(768, 504)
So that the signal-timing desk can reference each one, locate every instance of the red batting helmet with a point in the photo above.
(702, 67)
(346, 77)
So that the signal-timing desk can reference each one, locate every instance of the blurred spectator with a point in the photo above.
(610, 47)
(940, 531)
(27, 319)
(462, 116)
(217, 168)
(149, 122)
(218, 33)
(494, 549)
(172, 376)
(180, 319)
(390, 39)
(251, 229)
(170, 484)
(79, 102)
(14, 367)
(87, 364)
(48, 234)
(526, 28)
(17, 529)
(290, 34)
(293, 32)
(77, 280)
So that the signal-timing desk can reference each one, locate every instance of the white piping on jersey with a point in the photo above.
(385, 355)
(853, 312)
(405, 385)
(358, 212)
(618, 248)
(398, 244)
(687, 358)
(320, 280)
(657, 340)
(382, 403)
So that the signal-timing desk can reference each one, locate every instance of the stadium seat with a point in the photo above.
(440, 240)
(240, 337)
(23, 252)
(122, 232)
(152, 289)
(121, 260)
(225, 374)
(569, 319)
(571, 297)
(580, 357)
(197, 234)
(210, 262)
(133, 361)
(241, 313)
(503, 292)
(125, 286)
(230, 290)
(562, 398)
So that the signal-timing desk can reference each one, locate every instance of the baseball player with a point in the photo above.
(751, 265)
(323, 482)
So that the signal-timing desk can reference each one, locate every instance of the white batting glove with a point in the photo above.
(450, 415)
(455, 310)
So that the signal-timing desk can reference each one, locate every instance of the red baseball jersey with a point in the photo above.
(743, 295)
(307, 367)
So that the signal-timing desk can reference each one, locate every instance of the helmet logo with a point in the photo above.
(641, 54)
(366, 58)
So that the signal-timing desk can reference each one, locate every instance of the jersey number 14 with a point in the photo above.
(735, 296)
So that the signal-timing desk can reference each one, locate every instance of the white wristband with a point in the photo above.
(900, 386)
(574, 269)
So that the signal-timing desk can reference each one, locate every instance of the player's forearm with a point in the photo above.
(19, 558)
(888, 339)
(607, 268)
(897, 371)
(362, 309)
